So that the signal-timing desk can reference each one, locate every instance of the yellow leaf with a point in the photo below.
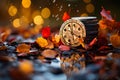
(57, 38)
(42, 42)
(23, 48)
(50, 45)
(82, 43)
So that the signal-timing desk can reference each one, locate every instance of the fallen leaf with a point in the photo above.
(64, 48)
(93, 42)
(23, 48)
(4, 35)
(49, 53)
(46, 32)
(106, 14)
(42, 42)
(50, 45)
(57, 38)
(103, 48)
(82, 43)
(65, 16)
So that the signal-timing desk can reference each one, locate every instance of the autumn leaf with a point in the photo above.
(93, 42)
(4, 35)
(42, 42)
(64, 48)
(50, 44)
(55, 38)
(106, 14)
(49, 53)
(23, 48)
(46, 32)
(65, 16)
(82, 43)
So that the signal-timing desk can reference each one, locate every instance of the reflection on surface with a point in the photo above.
(72, 63)
(76, 66)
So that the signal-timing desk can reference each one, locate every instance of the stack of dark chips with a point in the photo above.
(91, 26)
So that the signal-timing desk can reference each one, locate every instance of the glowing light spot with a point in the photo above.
(16, 23)
(38, 20)
(26, 67)
(84, 15)
(24, 21)
(12, 10)
(87, 1)
(90, 8)
(26, 3)
(45, 13)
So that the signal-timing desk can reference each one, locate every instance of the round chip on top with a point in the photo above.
(72, 32)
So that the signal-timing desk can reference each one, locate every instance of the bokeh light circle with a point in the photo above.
(45, 13)
(38, 20)
(90, 8)
(26, 3)
(16, 22)
(12, 10)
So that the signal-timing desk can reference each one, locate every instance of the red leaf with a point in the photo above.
(46, 32)
(106, 14)
(64, 48)
(103, 48)
(93, 42)
(65, 16)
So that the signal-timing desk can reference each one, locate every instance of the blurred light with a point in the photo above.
(24, 21)
(87, 1)
(36, 29)
(35, 13)
(26, 3)
(38, 20)
(26, 67)
(90, 8)
(12, 10)
(45, 13)
(84, 15)
(16, 23)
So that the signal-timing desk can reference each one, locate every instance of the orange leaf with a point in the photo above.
(65, 16)
(23, 48)
(42, 42)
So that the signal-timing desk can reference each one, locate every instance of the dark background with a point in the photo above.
(75, 9)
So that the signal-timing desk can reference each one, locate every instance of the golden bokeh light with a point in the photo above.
(45, 13)
(16, 23)
(90, 8)
(24, 21)
(26, 3)
(84, 15)
(38, 20)
(87, 1)
(36, 29)
(12, 10)
(26, 67)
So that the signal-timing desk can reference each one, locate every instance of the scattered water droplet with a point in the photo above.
(57, 19)
(77, 10)
(69, 5)
(54, 1)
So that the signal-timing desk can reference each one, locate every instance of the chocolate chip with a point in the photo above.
(79, 36)
(64, 29)
(68, 25)
(68, 40)
(79, 29)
